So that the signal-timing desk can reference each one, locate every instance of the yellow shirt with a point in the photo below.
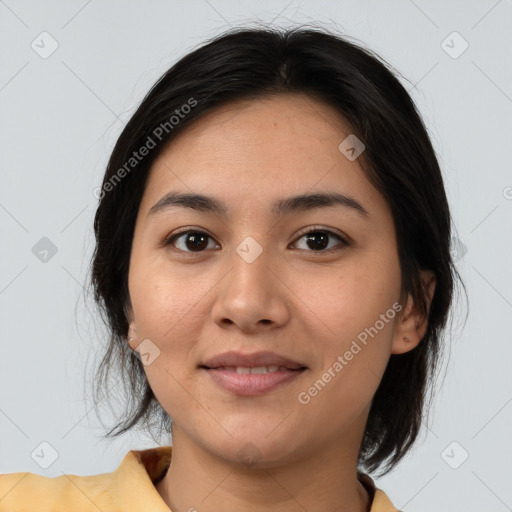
(130, 488)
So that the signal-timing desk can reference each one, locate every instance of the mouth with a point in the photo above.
(256, 370)
(256, 381)
(257, 362)
(252, 374)
(251, 381)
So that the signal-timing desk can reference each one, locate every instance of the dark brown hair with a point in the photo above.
(399, 159)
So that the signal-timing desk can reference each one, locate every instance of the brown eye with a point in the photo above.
(317, 240)
(192, 241)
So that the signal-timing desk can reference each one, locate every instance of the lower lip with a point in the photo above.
(252, 384)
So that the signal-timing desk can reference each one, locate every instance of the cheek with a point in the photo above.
(354, 354)
(344, 301)
(164, 299)
(165, 311)
(353, 330)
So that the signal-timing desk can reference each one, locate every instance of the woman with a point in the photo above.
(273, 261)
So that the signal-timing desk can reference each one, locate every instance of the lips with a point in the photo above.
(257, 359)
(248, 384)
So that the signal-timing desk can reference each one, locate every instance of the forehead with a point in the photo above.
(259, 151)
(296, 121)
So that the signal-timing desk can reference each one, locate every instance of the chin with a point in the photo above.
(258, 451)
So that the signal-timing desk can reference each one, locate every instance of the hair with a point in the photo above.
(399, 160)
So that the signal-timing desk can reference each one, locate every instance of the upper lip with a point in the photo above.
(251, 360)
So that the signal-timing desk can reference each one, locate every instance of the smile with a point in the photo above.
(254, 381)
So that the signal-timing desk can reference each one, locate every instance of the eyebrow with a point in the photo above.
(280, 208)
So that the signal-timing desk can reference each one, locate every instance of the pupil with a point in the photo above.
(319, 235)
(198, 240)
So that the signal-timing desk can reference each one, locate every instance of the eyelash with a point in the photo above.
(173, 237)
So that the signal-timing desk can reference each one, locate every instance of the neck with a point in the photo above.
(198, 480)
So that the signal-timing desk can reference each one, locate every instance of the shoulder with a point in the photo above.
(379, 500)
(382, 503)
(29, 491)
(129, 487)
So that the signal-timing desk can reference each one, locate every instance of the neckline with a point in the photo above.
(368, 483)
(158, 460)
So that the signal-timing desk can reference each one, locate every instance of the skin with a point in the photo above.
(293, 299)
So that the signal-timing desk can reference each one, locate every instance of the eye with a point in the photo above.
(194, 241)
(318, 239)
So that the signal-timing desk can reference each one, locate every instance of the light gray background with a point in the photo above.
(60, 117)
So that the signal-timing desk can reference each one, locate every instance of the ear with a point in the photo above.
(132, 332)
(412, 325)
(132, 336)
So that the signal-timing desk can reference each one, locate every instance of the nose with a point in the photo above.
(252, 296)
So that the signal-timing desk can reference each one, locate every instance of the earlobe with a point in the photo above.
(412, 325)
(132, 339)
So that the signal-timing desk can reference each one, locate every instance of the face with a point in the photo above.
(252, 279)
